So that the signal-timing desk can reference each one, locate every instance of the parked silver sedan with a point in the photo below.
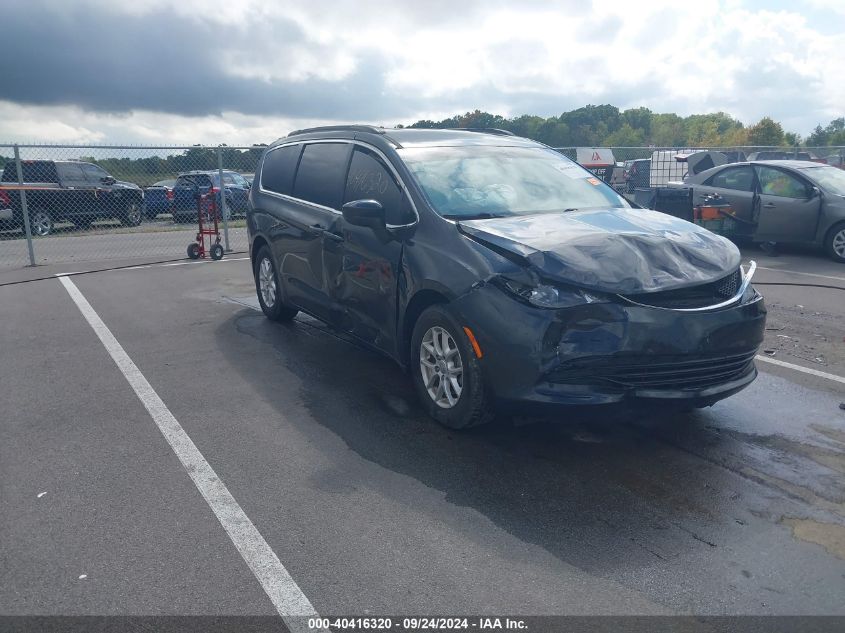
(782, 201)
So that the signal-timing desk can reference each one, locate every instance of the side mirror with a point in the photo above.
(815, 192)
(364, 213)
(107, 180)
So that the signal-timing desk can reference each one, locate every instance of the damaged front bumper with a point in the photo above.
(605, 353)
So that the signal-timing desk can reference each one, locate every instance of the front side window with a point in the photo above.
(94, 173)
(736, 178)
(775, 182)
(369, 178)
(479, 182)
(71, 172)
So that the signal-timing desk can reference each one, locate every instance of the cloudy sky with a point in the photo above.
(245, 71)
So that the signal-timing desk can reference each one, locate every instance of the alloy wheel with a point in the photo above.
(40, 224)
(839, 243)
(441, 367)
(133, 214)
(267, 282)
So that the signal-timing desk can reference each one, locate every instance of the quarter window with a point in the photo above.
(736, 178)
(775, 182)
(369, 178)
(321, 175)
(279, 168)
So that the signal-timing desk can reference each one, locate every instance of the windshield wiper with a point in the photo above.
(473, 216)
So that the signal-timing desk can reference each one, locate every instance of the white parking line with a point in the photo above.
(805, 370)
(201, 261)
(795, 272)
(277, 583)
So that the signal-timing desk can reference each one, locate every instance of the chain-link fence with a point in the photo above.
(628, 169)
(95, 203)
(61, 204)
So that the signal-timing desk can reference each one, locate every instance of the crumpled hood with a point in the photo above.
(625, 251)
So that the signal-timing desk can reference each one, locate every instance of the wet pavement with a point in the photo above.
(372, 507)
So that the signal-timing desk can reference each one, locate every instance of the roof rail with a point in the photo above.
(488, 130)
(372, 129)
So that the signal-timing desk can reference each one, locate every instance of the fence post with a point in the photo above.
(223, 209)
(24, 207)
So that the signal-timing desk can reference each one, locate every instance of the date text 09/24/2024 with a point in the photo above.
(417, 623)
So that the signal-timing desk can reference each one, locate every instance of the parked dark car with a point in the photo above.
(158, 198)
(636, 174)
(499, 272)
(782, 201)
(184, 206)
(68, 191)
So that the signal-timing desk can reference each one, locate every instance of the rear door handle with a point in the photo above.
(326, 233)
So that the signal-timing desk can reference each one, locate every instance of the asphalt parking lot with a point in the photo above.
(370, 507)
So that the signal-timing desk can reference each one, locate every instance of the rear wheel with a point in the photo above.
(131, 215)
(40, 222)
(834, 244)
(269, 290)
(217, 251)
(446, 372)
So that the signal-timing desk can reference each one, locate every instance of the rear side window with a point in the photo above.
(33, 171)
(736, 178)
(369, 178)
(279, 168)
(322, 174)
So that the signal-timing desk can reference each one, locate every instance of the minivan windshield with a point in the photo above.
(486, 181)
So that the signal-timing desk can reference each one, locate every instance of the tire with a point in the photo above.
(834, 243)
(217, 252)
(193, 250)
(40, 222)
(268, 288)
(454, 408)
(131, 215)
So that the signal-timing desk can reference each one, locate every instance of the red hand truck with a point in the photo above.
(208, 215)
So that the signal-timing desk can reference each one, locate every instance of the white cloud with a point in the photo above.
(509, 57)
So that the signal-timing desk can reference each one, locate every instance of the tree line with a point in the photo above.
(607, 126)
(590, 126)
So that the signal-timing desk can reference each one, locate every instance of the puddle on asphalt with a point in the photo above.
(830, 536)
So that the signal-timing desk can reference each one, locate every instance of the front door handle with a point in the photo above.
(326, 233)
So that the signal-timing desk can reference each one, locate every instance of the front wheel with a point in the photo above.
(446, 371)
(834, 244)
(269, 290)
(217, 252)
(131, 216)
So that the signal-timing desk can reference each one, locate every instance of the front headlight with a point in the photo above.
(545, 295)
